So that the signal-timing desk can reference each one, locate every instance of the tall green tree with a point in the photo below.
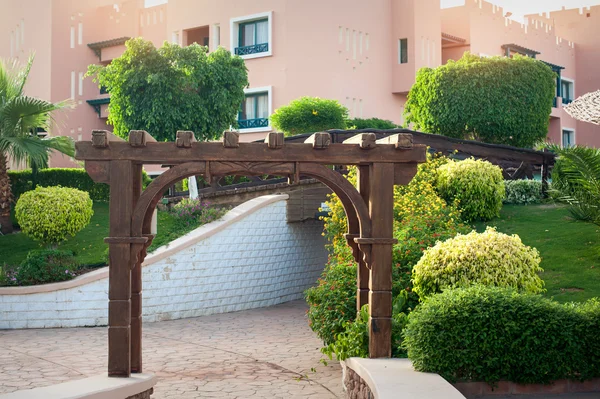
(20, 117)
(495, 100)
(172, 88)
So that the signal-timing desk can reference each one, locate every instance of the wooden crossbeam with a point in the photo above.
(319, 140)
(184, 138)
(366, 141)
(231, 139)
(139, 138)
(274, 140)
(402, 141)
(101, 138)
(188, 151)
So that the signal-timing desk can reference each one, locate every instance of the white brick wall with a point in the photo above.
(259, 260)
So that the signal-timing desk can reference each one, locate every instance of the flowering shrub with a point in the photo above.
(44, 266)
(195, 212)
(421, 218)
(52, 214)
(523, 191)
(489, 258)
(497, 334)
(476, 187)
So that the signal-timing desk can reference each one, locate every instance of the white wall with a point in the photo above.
(251, 258)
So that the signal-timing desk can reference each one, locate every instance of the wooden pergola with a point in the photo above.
(369, 208)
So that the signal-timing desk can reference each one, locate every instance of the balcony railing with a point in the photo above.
(255, 49)
(566, 101)
(253, 123)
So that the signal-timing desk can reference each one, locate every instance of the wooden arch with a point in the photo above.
(369, 208)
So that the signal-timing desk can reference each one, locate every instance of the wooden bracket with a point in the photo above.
(295, 178)
(366, 141)
(139, 138)
(184, 139)
(274, 140)
(319, 140)
(231, 139)
(402, 141)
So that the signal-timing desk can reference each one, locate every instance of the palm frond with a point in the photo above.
(22, 114)
(23, 74)
(24, 148)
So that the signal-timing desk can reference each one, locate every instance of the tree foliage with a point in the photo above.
(172, 88)
(495, 100)
(308, 115)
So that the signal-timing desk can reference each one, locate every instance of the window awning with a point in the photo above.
(520, 49)
(98, 46)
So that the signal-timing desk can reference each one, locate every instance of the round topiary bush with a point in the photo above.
(476, 187)
(309, 114)
(523, 191)
(52, 214)
(489, 258)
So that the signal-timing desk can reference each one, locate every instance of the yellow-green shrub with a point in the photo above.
(476, 187)
(52, 214)
(489, 258)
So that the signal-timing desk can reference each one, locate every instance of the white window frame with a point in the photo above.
(568, 129)
(234, 26)
(255, 90)
(572, 81)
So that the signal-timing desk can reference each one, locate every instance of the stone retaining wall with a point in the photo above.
(355, 386)
(251, 258)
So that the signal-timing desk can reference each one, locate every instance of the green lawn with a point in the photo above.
(569, 248)
(88, 244)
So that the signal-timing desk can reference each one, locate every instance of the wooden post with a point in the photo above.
(362, 275)
(119, 278)
(381, 210)
(545, 174)
(136, 287)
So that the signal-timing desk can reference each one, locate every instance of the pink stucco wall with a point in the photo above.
(341, 49)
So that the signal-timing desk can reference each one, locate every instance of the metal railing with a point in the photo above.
(252, 123)
(254, 49)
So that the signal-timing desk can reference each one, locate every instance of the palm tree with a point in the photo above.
(576, 181)
(20, 117)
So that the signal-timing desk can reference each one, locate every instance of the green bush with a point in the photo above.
(52, 214)
(476, 187)
(310, 114)
(496, 334)
(523, 191)
(195, 212)
(371, 123)
(46, 266)
(421, 218)
(332, 302)
(22, 181)
(497, 100)
(489, 258)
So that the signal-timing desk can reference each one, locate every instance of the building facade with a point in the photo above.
(364, 54)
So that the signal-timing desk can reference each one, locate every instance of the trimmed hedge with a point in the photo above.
(496, 334)
(489, 258)
(523, 191)
(22, 181)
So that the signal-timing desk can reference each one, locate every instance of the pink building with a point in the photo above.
(364, 54)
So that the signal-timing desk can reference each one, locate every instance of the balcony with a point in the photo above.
(253, 123)
(254, 49)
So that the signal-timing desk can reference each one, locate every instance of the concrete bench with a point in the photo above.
(396, 379)
(138, 386)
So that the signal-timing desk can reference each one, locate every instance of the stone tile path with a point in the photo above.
(260, 353)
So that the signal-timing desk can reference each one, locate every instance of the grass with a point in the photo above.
(88, 245)
(569, 248)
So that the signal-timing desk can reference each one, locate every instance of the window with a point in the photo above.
(103, 90)
(255, 111)
(403, 51)
(566, 91)
(251, 35)
(568, 138)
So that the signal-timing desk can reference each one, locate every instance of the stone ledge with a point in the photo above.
(385, 378)
(138, 386)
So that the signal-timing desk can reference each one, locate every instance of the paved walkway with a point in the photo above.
(260, 353)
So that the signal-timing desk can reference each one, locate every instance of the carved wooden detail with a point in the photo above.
(184, 138)
(231, 139)
(366, 141)
(319, 141)
(274, 140)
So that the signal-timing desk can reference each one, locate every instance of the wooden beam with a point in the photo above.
(231, 139)
(101, 138)
(170, 153)
(139, 138)
(319, 141)
(362, 276)
(366, 141)
(274, 140)
(401, 141)
(185, 138)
